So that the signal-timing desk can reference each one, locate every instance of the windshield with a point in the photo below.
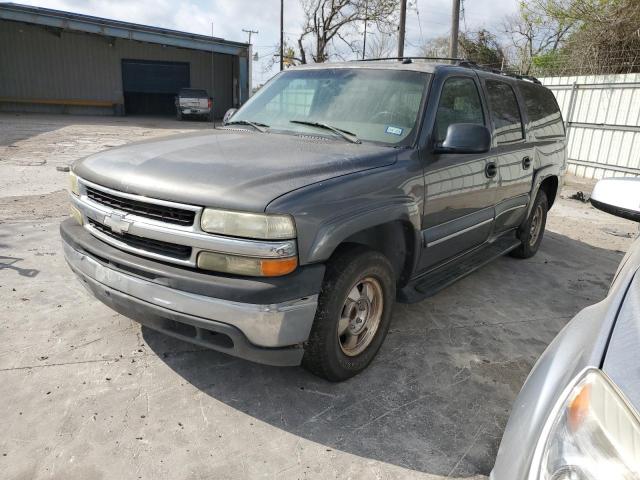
(374, 105)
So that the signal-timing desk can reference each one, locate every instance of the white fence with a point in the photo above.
(602, 117)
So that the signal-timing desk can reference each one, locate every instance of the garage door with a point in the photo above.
(150, 87)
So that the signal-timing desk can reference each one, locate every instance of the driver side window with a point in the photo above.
(459, 103)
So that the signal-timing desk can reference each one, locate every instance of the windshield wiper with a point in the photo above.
(261, 127)
(347, 135)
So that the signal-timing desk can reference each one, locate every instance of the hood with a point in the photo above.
(235, 169)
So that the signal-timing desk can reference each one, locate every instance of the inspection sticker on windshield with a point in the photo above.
(394, 130)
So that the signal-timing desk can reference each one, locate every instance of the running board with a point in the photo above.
(433, 281)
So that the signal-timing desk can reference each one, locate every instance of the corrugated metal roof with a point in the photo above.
(118, 29)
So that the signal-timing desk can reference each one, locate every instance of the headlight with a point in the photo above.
(73, 183)
(594, 436)
(248, 225)
(256, 267)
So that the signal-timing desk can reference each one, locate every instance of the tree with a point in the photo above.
(327, 21)
(606, 38)
(577, 36)
(381, 45)
(483, 48)
(533, 32)
(480, 47)
(436, 47)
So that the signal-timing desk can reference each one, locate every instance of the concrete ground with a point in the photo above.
(86, 393)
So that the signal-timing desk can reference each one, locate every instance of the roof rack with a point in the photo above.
(470, 64)
(461, 62)
(410, 59)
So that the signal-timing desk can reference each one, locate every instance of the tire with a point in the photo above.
(531, 231)
(338, 357)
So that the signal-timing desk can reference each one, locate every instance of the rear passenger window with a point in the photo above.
(459, 103)
(542, 110)
(504, 112)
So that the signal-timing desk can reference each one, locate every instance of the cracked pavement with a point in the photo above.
(86, 393)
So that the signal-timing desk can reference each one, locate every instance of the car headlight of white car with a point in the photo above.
(594, 434)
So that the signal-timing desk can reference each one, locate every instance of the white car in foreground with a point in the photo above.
(576, 417)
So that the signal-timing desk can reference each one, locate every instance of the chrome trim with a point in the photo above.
(511, 209)
(460, 232)
(192, 236)
(272, 325)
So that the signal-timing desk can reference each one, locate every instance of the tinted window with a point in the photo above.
(542, 110)
(459, 103)
(504, 111)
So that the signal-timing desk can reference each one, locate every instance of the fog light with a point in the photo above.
(255, 267)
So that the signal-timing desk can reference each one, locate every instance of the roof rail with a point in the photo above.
(461, 62)
(470, 64)
(410, 59)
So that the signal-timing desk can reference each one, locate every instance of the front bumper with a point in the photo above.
(270, 333)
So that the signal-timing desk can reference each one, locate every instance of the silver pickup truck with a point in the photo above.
(193, 101)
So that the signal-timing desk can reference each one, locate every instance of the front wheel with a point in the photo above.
(353, 315)
(531, 231)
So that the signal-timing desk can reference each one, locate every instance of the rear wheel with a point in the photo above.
(532, 230)
(353, 315)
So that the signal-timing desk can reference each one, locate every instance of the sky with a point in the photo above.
(426, 19)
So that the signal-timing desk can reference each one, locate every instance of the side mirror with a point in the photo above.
(228, 114)
(618, 196)
(465, 138)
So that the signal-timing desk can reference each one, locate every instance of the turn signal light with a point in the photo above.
(255, 267)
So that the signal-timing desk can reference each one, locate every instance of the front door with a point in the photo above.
(459, 188)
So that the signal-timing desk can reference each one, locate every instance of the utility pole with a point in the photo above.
(455, 25)
(281, 35)
(364, 40)
(250, 32)
(403, 20)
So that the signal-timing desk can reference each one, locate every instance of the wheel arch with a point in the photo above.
(396, 240)
(549, 179)
(549, 186)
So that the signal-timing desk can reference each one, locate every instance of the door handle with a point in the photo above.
(526, 163)
(490, 170)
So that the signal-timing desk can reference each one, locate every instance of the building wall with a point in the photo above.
(602, 115)
(36, 63)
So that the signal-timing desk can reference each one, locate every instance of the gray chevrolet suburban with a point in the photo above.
(287, 235)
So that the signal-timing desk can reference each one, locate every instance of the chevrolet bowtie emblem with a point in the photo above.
(117, 223)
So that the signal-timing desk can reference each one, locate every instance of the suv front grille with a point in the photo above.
(159, 247)
(176, 216)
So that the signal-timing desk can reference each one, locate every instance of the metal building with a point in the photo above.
(54, 61)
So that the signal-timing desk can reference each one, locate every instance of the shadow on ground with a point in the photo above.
(438, 395)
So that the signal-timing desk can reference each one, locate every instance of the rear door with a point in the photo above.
(513, 153)
(460, 194)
